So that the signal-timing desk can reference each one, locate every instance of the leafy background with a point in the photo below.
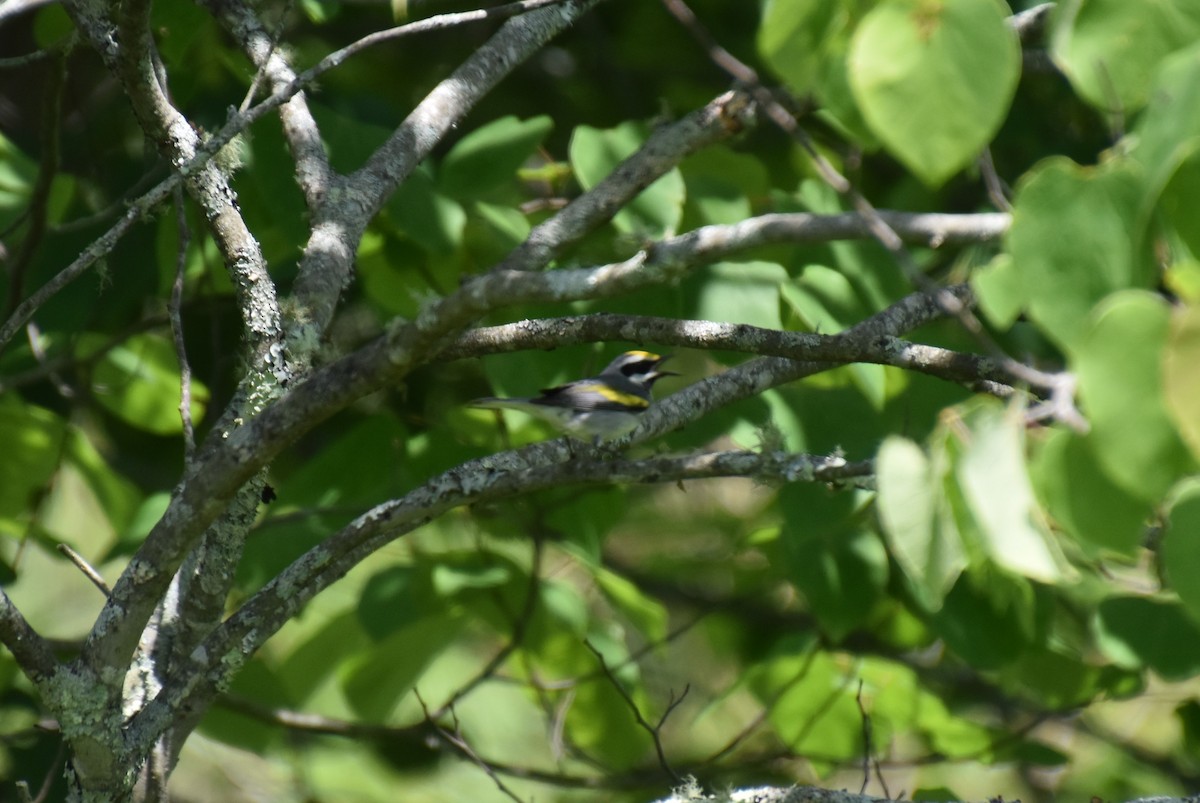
(1016, 609)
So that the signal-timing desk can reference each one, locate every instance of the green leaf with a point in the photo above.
(376, 679)
(306, 668)
(1082, 499)
(1111, 49)
(843, 577)
(812, 704)
(33, 442)
(1073, 241)
(256, 681)
(657, 210)
(493, 230)
(490, 156)
(1119, 366)
(1181, 547)
(115, 495)
(994, 480)
(916, 522)
(822, 300)
(988, 618)
(1166, 143)
(1181, 380)
(1136, 632)
(1000, 291)
(1188, 714)
(395, 598)
(905, 48)
(647, 614)
(722, 186)
(948, 734)
(478, 571)
(138, 381)
(791, 37)
(17, 175)
(428, 217)
(737, 292)
(601, 722)
(1059, 681)
(361, 466)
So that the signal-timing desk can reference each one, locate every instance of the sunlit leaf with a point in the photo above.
(904, 47)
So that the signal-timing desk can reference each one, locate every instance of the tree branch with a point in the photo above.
(979, 373)
(339, 222)
(222, 653)
(666, 147)
(300, 130)
(31, 652)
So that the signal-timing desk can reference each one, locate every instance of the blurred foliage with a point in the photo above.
(1014, 597)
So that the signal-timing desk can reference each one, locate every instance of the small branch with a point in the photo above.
(329, 253)
(520, 625)
(997, 190)
(459, 743)
(301, 722)
(300, 130)
(868, 746)
(655, 731)
(83, 566)
(31, 652)
(754, 724)
(666, 147)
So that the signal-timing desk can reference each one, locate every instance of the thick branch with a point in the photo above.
(241, 635)
(224, 464)
(95, 17)
(534, 467)
(300, 130)
(329, 255)
(972, 370)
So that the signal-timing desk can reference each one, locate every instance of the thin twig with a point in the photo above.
(456, 739)
(85, 567)
(520, 627)
(655, 731)
(757, 721)
(996, 189)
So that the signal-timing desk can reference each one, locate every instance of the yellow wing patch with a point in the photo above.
(613, 395)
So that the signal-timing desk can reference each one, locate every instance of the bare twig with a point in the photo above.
(655, 731)
(456, 739)
(519, 627)
(83, 566)
(765, 712)
(996, 189)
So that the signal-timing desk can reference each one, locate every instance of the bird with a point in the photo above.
(601, 408)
